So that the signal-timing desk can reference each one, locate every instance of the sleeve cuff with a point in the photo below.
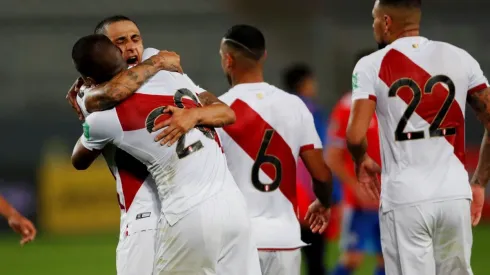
(477, 88)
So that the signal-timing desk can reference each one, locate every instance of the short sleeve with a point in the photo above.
(364, 80)
(196, 89)
(309, 136)
(477, 80)
(99, 129)
(337, 126)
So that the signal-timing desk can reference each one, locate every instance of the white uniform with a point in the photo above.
(203, 227)
(421, 88)
(262, 149)
(140, 209)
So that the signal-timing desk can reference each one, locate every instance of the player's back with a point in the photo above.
(262, 149)
(421, 88)
(186, 173)
(136, 192)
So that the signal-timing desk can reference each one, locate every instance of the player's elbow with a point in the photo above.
(230, 116)
(78, 163)
(354, 137)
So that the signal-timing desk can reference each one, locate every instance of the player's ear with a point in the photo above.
(229, 61)
(387, 23)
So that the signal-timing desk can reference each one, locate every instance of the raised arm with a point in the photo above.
(126, 83)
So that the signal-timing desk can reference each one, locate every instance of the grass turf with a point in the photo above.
(95, 255)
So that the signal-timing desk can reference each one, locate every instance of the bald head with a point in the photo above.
(96, 57)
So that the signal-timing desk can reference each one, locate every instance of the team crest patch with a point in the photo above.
(86, 130)
(355, 81)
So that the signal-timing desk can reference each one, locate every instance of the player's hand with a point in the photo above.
(71, 97)
(22, 226)
(181, 121)
(317, 217)
(168, 61)
(367, 174)
(477, 203)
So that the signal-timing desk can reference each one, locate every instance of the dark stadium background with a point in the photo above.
(77, 211)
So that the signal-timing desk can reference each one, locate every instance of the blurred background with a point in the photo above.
(77, 212)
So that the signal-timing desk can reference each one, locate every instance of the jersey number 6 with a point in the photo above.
(434, 128)
(261, 159)
(181, 150)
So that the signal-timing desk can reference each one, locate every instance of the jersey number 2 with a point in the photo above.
(434, 128)
(181, 150)
(263, 158)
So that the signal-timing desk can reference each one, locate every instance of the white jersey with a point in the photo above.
(262, 149)
(136, 192)
(186, 173)
(421, 88)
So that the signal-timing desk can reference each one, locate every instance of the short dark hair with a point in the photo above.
(294, 75)
(100, 28)
(402, 3)
(247, 39)
(97, 57)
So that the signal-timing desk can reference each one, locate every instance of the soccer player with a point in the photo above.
(204, 225)
(272, 129)
(17, 222)
(418, 88)
(360, 218)
(125, 34)
(138, 201)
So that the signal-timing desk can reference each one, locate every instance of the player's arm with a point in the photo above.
(82, 157)
(361, 114)
(126, 83)
(320, 175)
(480, 102)
(17, 222)
(362, 109)
(311, 153)
(98, 131)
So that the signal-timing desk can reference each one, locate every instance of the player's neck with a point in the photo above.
(409, 31)
(255, 76)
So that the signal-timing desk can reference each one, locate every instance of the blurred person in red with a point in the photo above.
(360, 222)
(17, 222)
(299, 79)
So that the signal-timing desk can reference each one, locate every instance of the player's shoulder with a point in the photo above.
(372, 62)
(101, 118)
(462, 53)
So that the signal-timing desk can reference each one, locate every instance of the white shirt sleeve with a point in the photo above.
(309, 136)
(196, 89)
(99, 129)
(364, 80)
(476, 78)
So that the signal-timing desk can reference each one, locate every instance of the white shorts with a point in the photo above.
(429, 239)
(215, 238)
(135, 253)
(284, 262)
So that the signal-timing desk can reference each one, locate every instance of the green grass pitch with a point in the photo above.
(95, 255)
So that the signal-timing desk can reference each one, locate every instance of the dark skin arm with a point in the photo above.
(214, 114)
(82, 157)
(480, 103)
(318, 213)
(123, 85)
